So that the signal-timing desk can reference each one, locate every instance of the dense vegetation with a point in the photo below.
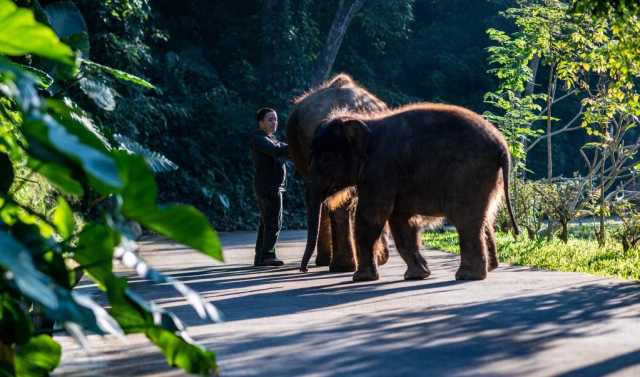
(47, 140)
(216, 63)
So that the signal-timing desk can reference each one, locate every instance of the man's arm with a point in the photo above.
(277, 149)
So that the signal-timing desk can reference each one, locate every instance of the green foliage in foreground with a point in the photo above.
(579, 254)
(52, 137)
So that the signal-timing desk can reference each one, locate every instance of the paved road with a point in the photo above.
(518, 322)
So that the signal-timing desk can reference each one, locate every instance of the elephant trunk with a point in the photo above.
(314, 206)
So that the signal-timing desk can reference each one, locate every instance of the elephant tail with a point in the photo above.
(505, 164)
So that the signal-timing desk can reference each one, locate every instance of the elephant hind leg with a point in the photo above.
(381, 247)
(323, 257)
(407, 237)
(473, 250)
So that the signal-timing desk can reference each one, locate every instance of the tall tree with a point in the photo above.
(345, 13)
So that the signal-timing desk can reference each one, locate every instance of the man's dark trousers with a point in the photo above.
(269, 184)
(270, 206)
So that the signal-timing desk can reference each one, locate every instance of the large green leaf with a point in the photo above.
(63, 219)
(133, 313)
(181, 223)
(156, 161)
(78, 122)
(58, 175)
(189, 357)
(43, 79)
(126, 254)
(67, 21)
(95, 252)
(121, 75)
(38, 357)
(46, 130)
(22, 34)
(47, 136)
(57, 301)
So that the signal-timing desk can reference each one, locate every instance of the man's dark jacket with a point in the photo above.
(269, 160)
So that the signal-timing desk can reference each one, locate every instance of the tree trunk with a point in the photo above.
(338, 29)
(601, 235)
(534, 63)
(564, 236)
(268, 41)
(551, 91)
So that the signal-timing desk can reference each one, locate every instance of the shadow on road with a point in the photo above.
(450, 341)
(432, 341)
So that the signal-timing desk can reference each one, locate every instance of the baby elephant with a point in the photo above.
(424, 159)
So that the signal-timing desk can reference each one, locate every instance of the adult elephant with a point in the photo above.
(419, 160)
(336, 246)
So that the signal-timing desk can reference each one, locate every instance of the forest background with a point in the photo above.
(215, 63)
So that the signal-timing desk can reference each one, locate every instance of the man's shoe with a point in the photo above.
(274, 262)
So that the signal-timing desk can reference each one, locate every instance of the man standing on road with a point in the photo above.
(269, 184)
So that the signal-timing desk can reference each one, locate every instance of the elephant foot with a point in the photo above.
(418, 272)
(342, 268)
(366, 275)
(493, 264)
(466, 273)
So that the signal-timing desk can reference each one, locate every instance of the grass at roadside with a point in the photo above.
(578, 255)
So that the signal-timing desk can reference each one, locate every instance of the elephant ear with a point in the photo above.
(357, 134)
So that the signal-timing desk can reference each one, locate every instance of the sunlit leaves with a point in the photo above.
(182, 223)
(124, 76)
(597, 57)
(63, 218)
(101, 94)
(48, 132)
(58, 174)
(601, 8)
(22, 34)
(184, 355)
(38, 357)
(157, 162)
(95, 252)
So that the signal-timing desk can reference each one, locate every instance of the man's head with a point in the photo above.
(267, 120)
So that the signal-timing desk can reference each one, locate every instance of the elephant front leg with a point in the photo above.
(325, 246)
(369, 225)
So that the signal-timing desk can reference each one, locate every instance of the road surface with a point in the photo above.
(279, 322)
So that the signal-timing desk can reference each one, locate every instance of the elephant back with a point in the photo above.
(314, 107)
